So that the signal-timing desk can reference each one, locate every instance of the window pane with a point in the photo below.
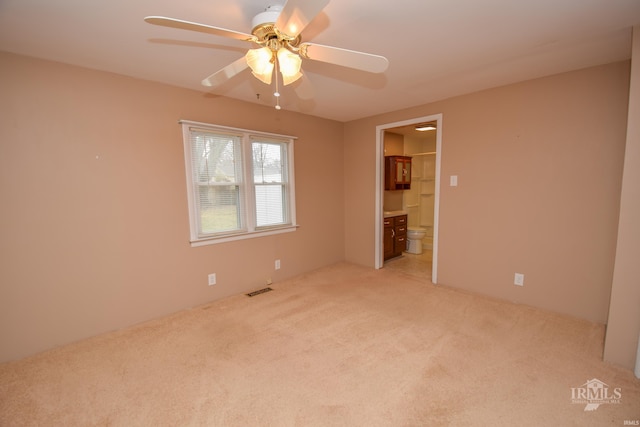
(269, 175)
(267, 162)
(219, 208)
(269, 205)
(217, 176)
(214, 158)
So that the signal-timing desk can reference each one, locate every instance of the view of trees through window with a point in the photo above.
(218, 178)
(240, 182)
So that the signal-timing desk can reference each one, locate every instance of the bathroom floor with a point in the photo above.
(415, 265)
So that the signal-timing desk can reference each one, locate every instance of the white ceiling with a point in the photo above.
(436, 48)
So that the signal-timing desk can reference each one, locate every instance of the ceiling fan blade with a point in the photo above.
(345, 57)
(226, 73)
(304, 89)
(193, 26)
(296, 15)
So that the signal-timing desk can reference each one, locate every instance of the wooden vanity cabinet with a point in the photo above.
(395, 236)
(388, 239)
(397, 173)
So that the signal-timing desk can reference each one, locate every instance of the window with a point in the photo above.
(240, 183)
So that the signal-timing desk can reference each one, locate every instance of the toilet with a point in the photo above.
(414, 239)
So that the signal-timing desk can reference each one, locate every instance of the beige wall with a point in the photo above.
(94, 218)
(539, 168)
(393, 144)
(623, 326)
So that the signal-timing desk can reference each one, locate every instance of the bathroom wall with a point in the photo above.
(393, 146)
(419, 200)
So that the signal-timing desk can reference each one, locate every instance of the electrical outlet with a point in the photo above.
(269, 282)
(277, 264)
(212, 279)
(518, 279)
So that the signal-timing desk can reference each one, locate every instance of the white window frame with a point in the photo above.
(247, 186)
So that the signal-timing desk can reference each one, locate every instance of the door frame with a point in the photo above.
(380, 129)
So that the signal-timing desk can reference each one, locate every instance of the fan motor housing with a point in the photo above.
(265, 31)
(264, 27)
(269, 16)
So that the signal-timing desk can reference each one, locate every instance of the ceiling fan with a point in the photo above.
(277, 31)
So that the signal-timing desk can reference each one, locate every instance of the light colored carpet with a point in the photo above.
(340, 346)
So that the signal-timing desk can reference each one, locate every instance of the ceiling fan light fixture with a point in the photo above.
(289, 64)
(261, 63)
(290, 79)
(264, 77)
(278, 31)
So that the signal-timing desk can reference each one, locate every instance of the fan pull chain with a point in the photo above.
(277, 92)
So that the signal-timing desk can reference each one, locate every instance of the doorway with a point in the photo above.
(406, 127)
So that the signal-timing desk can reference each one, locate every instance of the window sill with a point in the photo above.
(243, 236)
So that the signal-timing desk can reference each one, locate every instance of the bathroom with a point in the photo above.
(418, 200)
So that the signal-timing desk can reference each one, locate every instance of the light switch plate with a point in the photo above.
(518, 279)
(453, 180)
